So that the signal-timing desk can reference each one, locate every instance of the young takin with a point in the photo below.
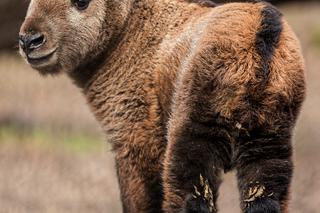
(184, 90)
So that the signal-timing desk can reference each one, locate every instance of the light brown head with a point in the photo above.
(63, 35)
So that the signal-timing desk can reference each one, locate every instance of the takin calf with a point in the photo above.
(184, 91)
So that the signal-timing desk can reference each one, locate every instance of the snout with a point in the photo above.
(39, 38)
(36, 45)
(30, 42)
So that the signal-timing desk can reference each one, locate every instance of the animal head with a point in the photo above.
(62, 35)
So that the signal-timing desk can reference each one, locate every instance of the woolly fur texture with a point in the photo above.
(184, 91)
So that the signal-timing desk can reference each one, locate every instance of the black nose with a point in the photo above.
(31, 42)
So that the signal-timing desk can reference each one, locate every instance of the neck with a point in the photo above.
(146, 25)
(133, 75)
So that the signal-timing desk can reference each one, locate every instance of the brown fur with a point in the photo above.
(183, 90)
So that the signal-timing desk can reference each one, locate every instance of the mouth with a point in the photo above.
(38, 60)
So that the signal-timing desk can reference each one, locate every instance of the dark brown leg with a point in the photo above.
(197, 153)
(264, 171)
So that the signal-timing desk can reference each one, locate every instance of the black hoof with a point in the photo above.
(196, 205)
(263, 205)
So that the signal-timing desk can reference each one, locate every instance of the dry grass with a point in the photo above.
(52, 154)
(29, 100)
(39, 179)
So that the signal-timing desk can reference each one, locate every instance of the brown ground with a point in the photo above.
(52, 154)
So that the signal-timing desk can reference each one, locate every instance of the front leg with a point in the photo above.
(139, 158)
(141, 190)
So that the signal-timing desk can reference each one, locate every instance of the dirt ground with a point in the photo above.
(53, 157)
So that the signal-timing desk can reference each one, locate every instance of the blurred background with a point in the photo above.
(53, 157)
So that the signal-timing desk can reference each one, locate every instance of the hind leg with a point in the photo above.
(197, 153)
(264, 171)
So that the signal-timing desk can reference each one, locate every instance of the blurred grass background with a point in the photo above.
(53, 157)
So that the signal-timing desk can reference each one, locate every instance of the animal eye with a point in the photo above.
(81, 4)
